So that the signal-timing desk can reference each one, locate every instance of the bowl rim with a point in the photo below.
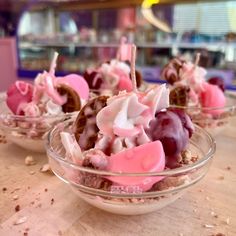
(20, 117)
(228, 94)
(198, 164)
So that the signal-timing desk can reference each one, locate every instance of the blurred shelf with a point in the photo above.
(208, 46)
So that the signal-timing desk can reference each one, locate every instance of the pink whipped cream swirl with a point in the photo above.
(116, 75)
(127, 115)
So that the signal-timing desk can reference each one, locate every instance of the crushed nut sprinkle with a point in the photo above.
(45, 168)
(29, 161)
(20, 220)
(15, 197)
(17, 208)
(4, 189)
(52, 201)
(208, 226)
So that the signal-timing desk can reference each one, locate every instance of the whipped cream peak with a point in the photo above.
(193, 76)
(73, 151)
(53, 108)
(126, 113)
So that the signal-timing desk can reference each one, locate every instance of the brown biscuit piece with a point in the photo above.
(73, 102)
(85, 128)
(179, 96)
(171, 71)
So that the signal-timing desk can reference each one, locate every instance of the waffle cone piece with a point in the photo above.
(86, 130)
(73, 100)
(179, 96)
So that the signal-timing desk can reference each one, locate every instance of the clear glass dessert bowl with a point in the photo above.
(26, 131)
(213, 119)
(93, 186)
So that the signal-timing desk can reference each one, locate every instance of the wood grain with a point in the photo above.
(210, 202)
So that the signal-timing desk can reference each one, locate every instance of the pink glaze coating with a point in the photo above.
(18, 95)
(212, 96)
(149, 157)
(76, 82)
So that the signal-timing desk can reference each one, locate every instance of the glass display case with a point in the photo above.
(85, 38)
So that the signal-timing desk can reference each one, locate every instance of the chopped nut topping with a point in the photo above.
(15, 197)
(208, 226)
(29, 161)
(52, 201)
(17, 208)
(45, 168)
(227, 221)
(20, 220)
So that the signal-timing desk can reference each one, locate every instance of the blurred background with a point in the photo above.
(88, 32)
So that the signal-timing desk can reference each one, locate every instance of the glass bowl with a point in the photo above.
(214, 119)
(92, 186)
(26, 131)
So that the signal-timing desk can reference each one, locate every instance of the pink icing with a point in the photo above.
(212, 96)
(125, 82)
(19, 94)
(44, 84)
(76, 82)
(148, 157)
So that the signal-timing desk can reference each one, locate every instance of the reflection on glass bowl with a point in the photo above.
(92, 186)
(26, 131)
(213, 119)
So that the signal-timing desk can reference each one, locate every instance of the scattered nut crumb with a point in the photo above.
(214, 214)
(15, 197)
(29, 161)
(208, 226)
(45, 168)
(25, 234)
(45, 190)
(227, 221)
(4, 189)
(20, 220)
(228, 168)
(17, 208)
(221, 177)
(32, 172)
(52, 201)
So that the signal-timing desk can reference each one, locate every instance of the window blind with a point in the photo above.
(215, 18)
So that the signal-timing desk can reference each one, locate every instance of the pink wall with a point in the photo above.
(8, 62)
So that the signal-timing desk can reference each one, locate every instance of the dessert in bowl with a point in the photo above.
(91, 185)
(206, 101)
(28, 111)
(110, 77)
(130, 153)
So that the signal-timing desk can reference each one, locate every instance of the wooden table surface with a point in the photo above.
(209, 208)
